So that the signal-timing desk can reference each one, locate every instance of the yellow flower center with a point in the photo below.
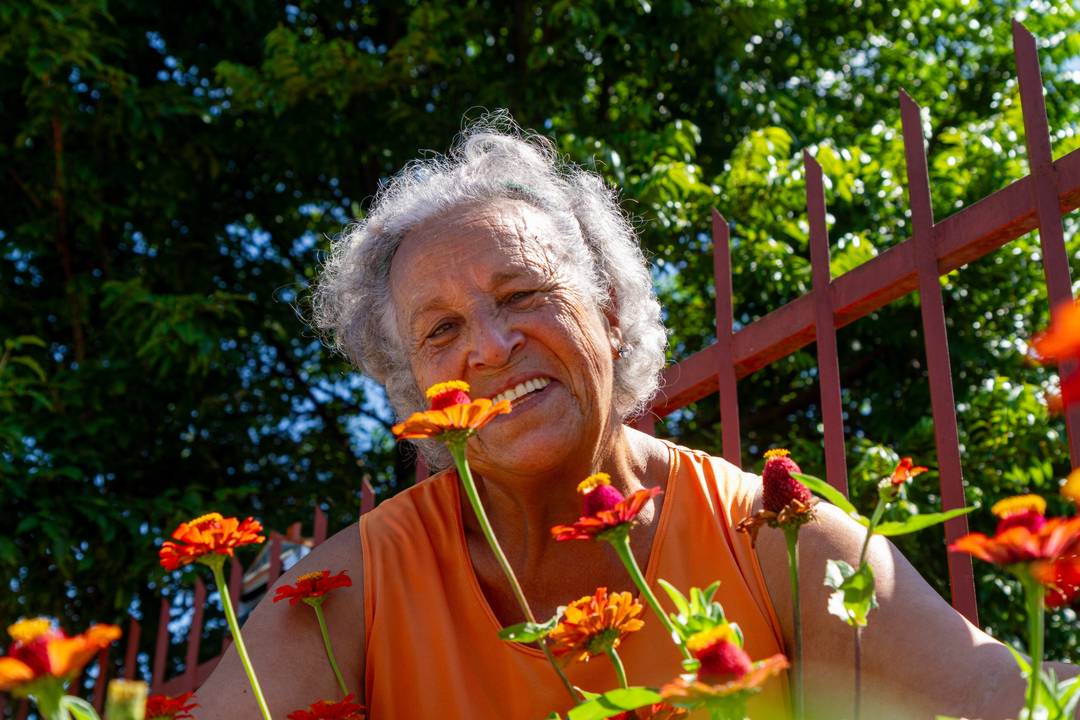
(310, 577)
(705, 638)
(592, 482)
(1071, 488)
(206, 519)
(776, 452)
(26, 631)
(1016, 505)
(445, 387)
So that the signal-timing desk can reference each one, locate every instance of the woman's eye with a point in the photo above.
(520, 295)
(440, 329)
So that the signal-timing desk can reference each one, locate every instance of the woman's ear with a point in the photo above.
(611, 319)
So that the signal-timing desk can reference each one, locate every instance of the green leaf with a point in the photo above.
(614, 702)
(530, 632)
(79, 708)
(918, 522)
(854, 595)
(827, 491)
(677, 598)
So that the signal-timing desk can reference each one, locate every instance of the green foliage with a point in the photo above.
(853, 597)
(171, 174)
(614, 702)
(530, 632)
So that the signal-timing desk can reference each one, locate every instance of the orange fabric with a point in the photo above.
(432, 649)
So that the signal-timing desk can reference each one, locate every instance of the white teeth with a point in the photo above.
(522, 389)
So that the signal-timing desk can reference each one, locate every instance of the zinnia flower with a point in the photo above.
(452, 414)
(1025, 541)
(603, 508)
(595, 623)
(726, 672)
(42, 651)
(164, 707)
(325, 710)
(787, 503)
(312, 587)
(905, 470)
(209, 534)
(1060, 343)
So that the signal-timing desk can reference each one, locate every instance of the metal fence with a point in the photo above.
(1036, 201)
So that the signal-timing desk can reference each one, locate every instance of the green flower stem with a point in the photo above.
(457, 450)
(326, 644)
(620, 671)
(879, 512)
(47, 694)
(621, 543)
(791, 534)
(1035, 595)
(217, 566)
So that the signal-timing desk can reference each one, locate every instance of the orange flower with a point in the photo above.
(164, 707)
(905, 471)
(312, 587)
(596, 623)
(452, 414)
(1027, 542)
(43, 651)
(209, 534)
(603, 508)
(325, 710)
(1060, 343)
(692, 693)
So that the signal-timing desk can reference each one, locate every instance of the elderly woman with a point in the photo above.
(504, 267)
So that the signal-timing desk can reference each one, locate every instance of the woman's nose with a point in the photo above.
(493, 344)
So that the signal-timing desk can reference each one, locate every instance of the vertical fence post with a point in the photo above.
(727, 383)
(943, 406)
(275, 560)
(421, 471)
(131, 656)
(194, 640)
(832, 409)
(318, 527)
(161, 647)
(101, 680)
(1045, 186)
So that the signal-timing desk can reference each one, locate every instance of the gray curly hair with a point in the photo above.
(493, 159)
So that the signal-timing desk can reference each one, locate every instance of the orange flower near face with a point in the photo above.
(43, 651)
(209, 534)
(164, 707)
(1026, 541)
(452, 414)
(603, 508)
(325, 710)
(595, 623)
(313, 586)
(905, 470)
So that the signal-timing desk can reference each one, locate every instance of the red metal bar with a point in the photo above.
(1045, 190)
(24, 710)
(161, 647)
(832, 409)
(194, 640)
(726, 382)
(275, 559)
(367, 493)
(936, 339)
(318, 527)
(646, 423)
(421, 472)
(131, 655)
(101, 680)
(967, 235)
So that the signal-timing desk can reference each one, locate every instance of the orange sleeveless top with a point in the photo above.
(431, 644)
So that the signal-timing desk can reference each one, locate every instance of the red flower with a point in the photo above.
(452, 414)
(656, 711)
(778, 487)
(209, 534)
(325, 710)
(312, 586)
(905, 471)
(722, 658)
(1027, 541)
(603, 508)
(41, 650)
(164, 707)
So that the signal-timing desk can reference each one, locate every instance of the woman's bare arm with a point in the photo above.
(286, 647)
(919, 656)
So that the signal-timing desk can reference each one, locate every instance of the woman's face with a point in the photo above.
(479, 296)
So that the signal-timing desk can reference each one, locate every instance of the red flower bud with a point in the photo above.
(779, 488)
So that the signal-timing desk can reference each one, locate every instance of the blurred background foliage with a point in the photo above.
(171, 173)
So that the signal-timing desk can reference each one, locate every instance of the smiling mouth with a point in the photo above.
(522, 390)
